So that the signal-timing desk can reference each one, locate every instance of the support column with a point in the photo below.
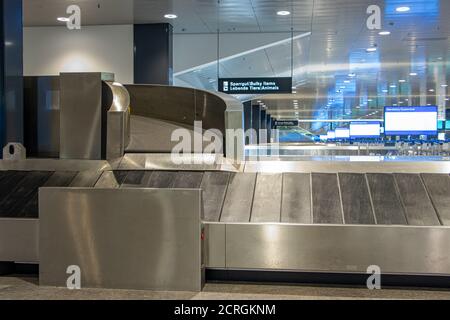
(11, 72)
(153, 54)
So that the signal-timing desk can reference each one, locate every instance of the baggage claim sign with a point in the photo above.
(255, 85)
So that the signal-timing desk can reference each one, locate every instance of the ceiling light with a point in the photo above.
(431, 90)
(346, 81)
(283, 13)
(413, 74)
(385, 91)
(447, 99)
(402, 81)
(342, 87)
(384, 33)
(170, 16)
(352, 75)
(63, 19)
(371, 49)
(444, 85)
(403, 9)
(393, 86)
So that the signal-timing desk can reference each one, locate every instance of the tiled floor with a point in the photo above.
(27, 288)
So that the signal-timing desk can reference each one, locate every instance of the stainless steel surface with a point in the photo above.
(352, 165)
(162, 179)
(188, 180)
(137, 179)
(327, 206)
(267, 198)
(438, 187)
(55, 165)
(238, 201)
(86, 179)
(19, 240)
(355, 198)
(194, 162)
(386, 200)
(118, 119)
(418, 208)
(297, 198)
(412, 250)
(111, 179)
(214, 186)
(81, 116)
(127, 238)
(179, 105)
(215, 244)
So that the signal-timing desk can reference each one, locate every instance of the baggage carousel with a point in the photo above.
(266, 221)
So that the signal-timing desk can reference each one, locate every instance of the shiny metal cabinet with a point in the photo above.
(122, 238)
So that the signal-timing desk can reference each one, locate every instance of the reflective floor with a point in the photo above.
(27, 289)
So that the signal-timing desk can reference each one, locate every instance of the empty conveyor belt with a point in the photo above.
(19, 189)
(302, 198)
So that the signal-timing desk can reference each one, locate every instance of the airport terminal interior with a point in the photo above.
(225, 149)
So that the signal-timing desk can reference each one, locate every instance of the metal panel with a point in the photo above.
(19, 240)
(351, 165)
(438, 187)
(188, 180)
(162, 179)
(412, 250)
(86, 179)
(127, 238)
(296, 204)
(238, 201)
(81, 116)
(214, 186)
(327, 207)
(356, 199)
(386, 200)
(267, 199)
(215, 245)
(418, 208)
(111, 179)
(137, 179)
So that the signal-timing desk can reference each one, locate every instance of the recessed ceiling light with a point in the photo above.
(371, 49)
(385, 91)
(402, 80)
(444, 85)
(346, 81)
(403, 9)
(393, 86)
(447, 99)
(384, 33)
(413, 74)
(170, 16)
(283, 13)
(63, 19)
(431, 90)
(352, 75)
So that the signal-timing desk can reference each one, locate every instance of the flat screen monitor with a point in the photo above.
(342, 133)
(365, 129)
(447, 125)
(403, 121)
(331, 135)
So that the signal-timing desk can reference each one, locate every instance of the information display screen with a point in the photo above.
(402, 121)
(364, 129)
(331, 135)
(342, 133)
